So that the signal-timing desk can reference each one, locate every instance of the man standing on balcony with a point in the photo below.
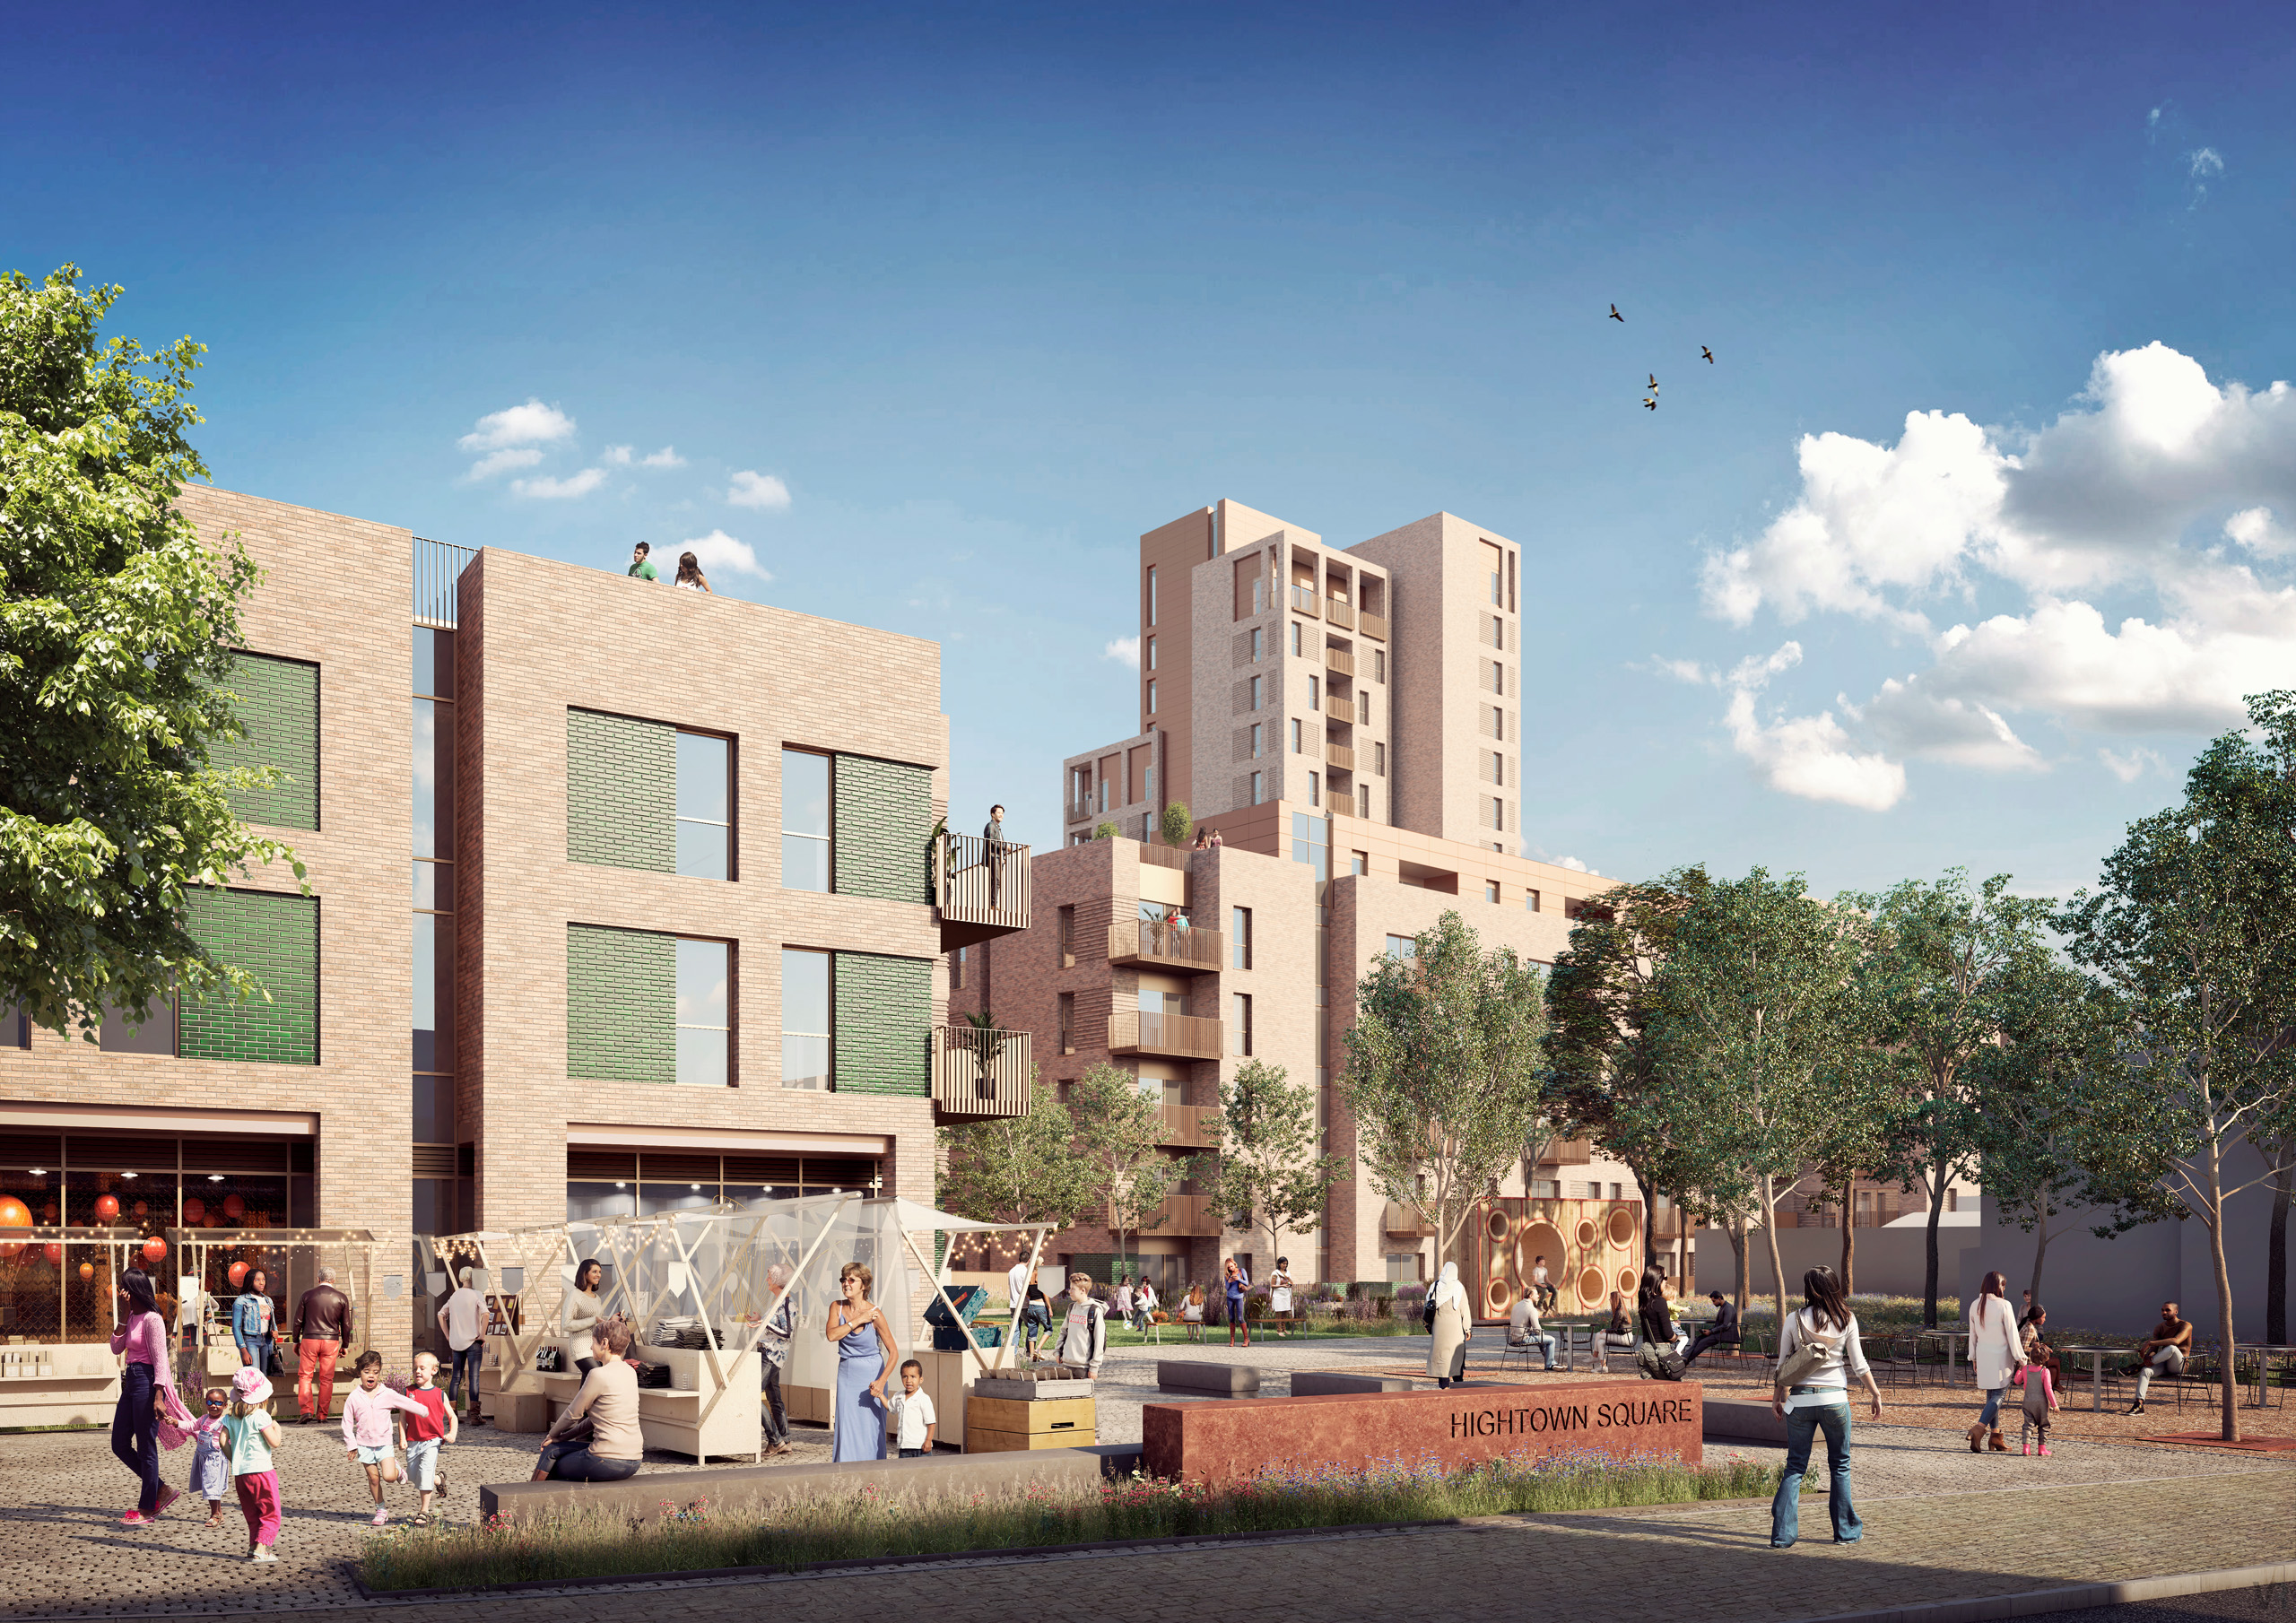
(992, 853)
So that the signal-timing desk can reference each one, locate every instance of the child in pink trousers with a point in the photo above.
(250, 1434)
(2040, 1397)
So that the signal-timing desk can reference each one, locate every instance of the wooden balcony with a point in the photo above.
(1188, 1127)
(1304, 600)
(1147, 941)
(1340, 612)
(1567, 1152)
(1374, 626)
(1164, 856)
(1339, 661)
(979, 1074)
(1184, 1217)
(1402, 1219)
(980, 892)
(1184, 1037)
(1336, 709)
(1339, 757)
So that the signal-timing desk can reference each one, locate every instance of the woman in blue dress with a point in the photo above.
(864, 1349)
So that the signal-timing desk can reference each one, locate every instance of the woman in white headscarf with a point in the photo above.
(1447, 1360)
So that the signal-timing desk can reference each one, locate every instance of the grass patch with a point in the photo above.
(869, 1524)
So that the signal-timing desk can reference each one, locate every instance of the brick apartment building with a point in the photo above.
(1348, 721)
(623, 900)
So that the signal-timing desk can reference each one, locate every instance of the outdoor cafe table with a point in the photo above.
(2265, 1353)
(2096, 1357)
(1955, 1340)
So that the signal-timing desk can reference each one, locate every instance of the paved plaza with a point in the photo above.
(1943, 1525)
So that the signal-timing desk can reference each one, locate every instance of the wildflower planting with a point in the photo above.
(871, 1523)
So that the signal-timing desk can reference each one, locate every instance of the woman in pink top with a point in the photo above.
(142, 1336)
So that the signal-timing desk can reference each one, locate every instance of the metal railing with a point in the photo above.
(1339, 661)
(1374, 626)
(1155, 940)
(980, 885)
(1164, 856)
(1185, 1126)
(1340, 612)
(1081, 812)
(439, 565)
(980, 1073)
(1180, 1035)
(1305, 599)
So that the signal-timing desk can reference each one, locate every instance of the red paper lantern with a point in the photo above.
(48, 1212)
(13, 1214)
(213, 1219)
(54, 1250)
(155, 1249)
(194, 1209)
(234, 1208)
(87, 1270)
(143, 1209)
(236, 1274)
(107, 1207)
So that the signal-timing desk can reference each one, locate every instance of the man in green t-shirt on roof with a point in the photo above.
(641, 568)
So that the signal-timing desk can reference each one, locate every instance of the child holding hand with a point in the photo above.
(250, 1434)
(425, 1432)
(211, 1469)
(910, 1414)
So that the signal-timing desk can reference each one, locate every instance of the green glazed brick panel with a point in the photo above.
(883, 1015)
(279, 717)
(622, 792)
(276, 940)
(622, 1015)
(884, 815)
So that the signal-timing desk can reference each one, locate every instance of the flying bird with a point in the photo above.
(1651, 406)
(1708, 353)
(1653, 383)
(1614, 315)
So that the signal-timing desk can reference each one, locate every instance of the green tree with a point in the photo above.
(117, 624)
(1943, 958)
(1265, 1174)
(1445, 1073)
(1017, 1169)
(1119, 1130)
(1175, 824)
(2194, 925)
(1756, 1021)
(1104, 830)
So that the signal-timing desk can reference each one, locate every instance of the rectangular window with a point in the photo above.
(278, 712)
(1401, 946)
(805, 1019)
(1256, 692)
(1151, 698)
(1315, 694)
(1490, 890)
(1240, 927)
(705, 1027)
(1256, 644)
(1148, 655)
(1148, 788)
(1068, 1009)
(155, 1036)
(1259, 595)
(1363, 801)
(1295, 637)
(275, 937)
(1067, 917)
(957, 970)
(1378, 761)
(1359, 862)
(1498, 769)
(1255, 740)
(1295, 736)
(705, 805)
(1530, 901)
(1152, 596)
(1363, 706)
(804, 820)
(1498, 815)
(1315, 789)
(1257, 795)
(1242, 1005)
(1378, 665)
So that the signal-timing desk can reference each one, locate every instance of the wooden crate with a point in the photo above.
(979, 1439)
(1007, 1424)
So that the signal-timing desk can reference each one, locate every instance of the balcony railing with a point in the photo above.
(1339, 661)
(438, 565)
(1164, 856)
(1185, 1036)
(1567, 1152)
(1184, 1217)
(982, 890)
(1405, 1220)
(1340, 612)
(980, 1073)
(1304, 600)
(1336, 709)
(1154, 941)
(1339, 757)
(1374, 626)
(1187, 1126)
(1081, 811)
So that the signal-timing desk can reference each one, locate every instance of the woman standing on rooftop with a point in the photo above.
(690, 575)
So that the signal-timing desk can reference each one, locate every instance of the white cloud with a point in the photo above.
(2134, 765)
(618, 455)
(568, 488)
(2206, 164)
(2115, 494)
(666, 457)
(503, 461)
(1123, 650)
(1574, 864)
(753, 490)
(1681, 670)
(533, 424)
(721, 553)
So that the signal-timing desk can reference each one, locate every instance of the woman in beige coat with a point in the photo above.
(1447, 1360)
(1995, 1354)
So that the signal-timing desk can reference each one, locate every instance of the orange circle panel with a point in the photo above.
(1587, 1233)
(1628, 1279)
(1590, 1289)
(1622, 1227)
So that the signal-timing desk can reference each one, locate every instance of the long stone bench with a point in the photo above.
(1323, 1383)
(1743, 1420)
(1211, 1380)
(749, 1488)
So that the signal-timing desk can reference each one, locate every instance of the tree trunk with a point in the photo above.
(1776, 1265)
(2041, 1250)
(1737, 1232)
(1850, 1242)
(1929, 1264)
(2275, 1279)
(1649, 1218)
(2227, 1394)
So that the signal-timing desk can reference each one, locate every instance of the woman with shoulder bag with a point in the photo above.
(1818, 1352)
(1660, 1355)
(1997, 1352)
(1446, 1359)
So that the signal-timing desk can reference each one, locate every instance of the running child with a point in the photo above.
(367, 1427)
(211, 1466)
(250, 1434)
(425, 1432)
(911, 1413)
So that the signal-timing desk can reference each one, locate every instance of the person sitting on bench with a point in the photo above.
(597, 1438)
(1724, 1333)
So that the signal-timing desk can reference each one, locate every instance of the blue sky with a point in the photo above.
(974, 298)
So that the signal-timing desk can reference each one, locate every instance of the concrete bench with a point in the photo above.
(652, 1494)
(1323, 1383)
(1743, 1420)
(1211, 1380)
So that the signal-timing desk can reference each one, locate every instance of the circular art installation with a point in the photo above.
(1498, 1226)
(1498, 1299)
(1590, 1289)
(1588, 1234)
(1628, 1279)
(1622, 1227)
(1534, 1240)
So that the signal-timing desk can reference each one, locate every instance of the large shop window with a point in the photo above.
(279, 722)
(647, 795)
(638, 1183)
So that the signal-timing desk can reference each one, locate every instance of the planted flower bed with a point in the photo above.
(874, 1524)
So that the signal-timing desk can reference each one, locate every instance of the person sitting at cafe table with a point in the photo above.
(1722, 1333)
(2163, 1352)
(2037, 1347)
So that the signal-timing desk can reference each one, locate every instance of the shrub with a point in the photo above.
(1175, 825)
